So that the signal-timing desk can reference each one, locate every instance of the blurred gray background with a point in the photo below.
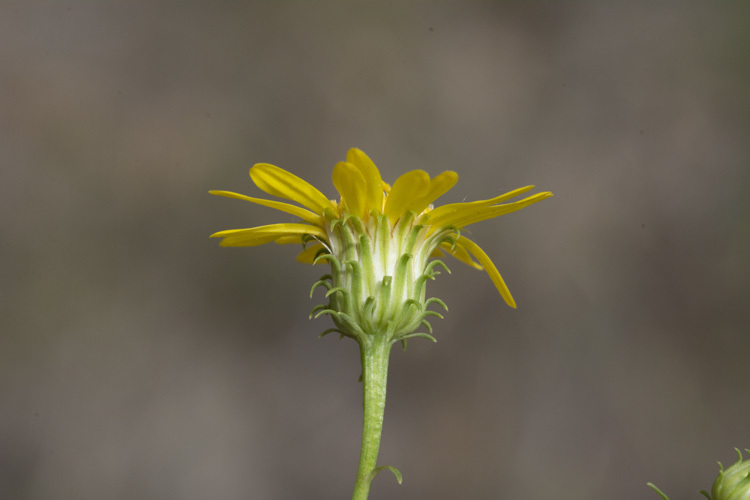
(139, 360)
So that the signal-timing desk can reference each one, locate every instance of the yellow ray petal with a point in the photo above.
(261, 235)
(289, 240)
(300, 212)
(410, 186)
(452, 207)
(462, 217)
(439, 185)
(351, 185)
(372, 177)
(278, 182)
(307, 256)
(458, 251)
(485, 261)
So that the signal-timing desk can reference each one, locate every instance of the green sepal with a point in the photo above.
(368, 306)
(382, 235)
(413, 302)
(430, 273)
(705, 494)
(436, 301)
(390, 327)
(426, 324)
(385, 295)
(359, 227)
(403, 343)
(356, 283)
(349, 216)
(405, 223)
(419, 284)
(433, 313)
(307, 238)
(365, 250)
(452, 230)
(335, 223)
(399, 275)
(352, 328)
(419, 335)
(339, 289)
(437, 262)
(396, 472)
(321, 282)
(659, 492)
(368, 313)
(316, 309)
(349, 242)
(320, 252)
(330, 257)
(332, 312)
(412, 239)
(330, 330)
(449, 239)
(406, 308)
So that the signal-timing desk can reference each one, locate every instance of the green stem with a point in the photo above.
(374, 352)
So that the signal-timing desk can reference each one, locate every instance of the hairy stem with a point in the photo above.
(374, 353)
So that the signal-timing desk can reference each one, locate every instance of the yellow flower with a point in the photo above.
(380, 240)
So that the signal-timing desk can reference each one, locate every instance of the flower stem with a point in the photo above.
(374, 352)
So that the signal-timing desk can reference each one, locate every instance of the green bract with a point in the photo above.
(733, 483)
(378, 275)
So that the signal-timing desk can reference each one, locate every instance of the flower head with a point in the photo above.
(381, 241)
(733, 483)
